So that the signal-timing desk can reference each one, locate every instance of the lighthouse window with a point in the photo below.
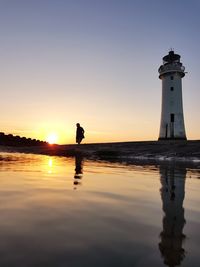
(172, 88)
(172, 77)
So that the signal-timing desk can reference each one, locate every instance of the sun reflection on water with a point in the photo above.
(50, 164)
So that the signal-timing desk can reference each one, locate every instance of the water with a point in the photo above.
(72, 212)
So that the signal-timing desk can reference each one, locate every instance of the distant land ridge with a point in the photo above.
(11, 140)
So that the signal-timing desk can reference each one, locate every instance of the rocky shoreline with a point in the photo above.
(173, 151)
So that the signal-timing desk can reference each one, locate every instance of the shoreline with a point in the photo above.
(139, 151)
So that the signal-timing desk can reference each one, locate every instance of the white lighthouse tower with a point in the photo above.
(172, 120)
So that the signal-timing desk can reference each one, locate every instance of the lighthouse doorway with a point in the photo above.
(172, 118)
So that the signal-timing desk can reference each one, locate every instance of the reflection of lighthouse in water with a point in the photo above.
(172, 194)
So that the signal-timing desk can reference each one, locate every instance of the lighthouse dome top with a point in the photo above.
(171, 65)
(171, 57)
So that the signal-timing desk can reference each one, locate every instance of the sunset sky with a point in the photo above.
(94, 62)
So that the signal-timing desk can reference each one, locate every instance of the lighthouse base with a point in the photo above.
(172, 138)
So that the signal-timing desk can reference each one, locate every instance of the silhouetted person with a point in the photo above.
(78, 170)
(79, 133)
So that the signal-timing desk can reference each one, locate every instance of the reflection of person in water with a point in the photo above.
(78, 170)
(172, 194)
(79, 133)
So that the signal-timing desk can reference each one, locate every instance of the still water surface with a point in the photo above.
(58, 212)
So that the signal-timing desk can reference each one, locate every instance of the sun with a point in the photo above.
(52, 138)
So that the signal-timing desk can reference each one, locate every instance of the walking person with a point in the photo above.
(79, 133)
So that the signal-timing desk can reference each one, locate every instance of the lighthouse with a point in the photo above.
(171, 72)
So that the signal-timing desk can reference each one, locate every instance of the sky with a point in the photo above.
(94, 62)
